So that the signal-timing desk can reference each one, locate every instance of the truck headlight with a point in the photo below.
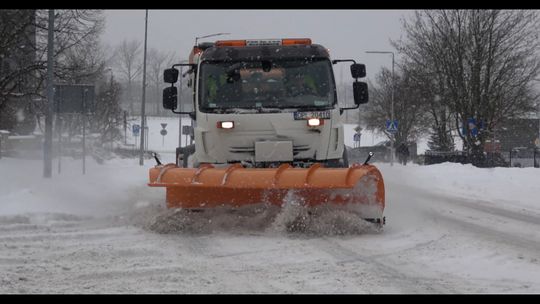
(225, 124)
(315, 122)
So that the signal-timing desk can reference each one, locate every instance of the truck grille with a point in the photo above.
(251, 150)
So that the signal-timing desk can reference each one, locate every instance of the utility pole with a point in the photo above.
(392, 102)
(47, 147)
(84, 131)
(143, 118)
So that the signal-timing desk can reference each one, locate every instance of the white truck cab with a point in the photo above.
(265, 102)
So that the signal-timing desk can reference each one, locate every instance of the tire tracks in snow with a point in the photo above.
(486, 220)
(408, 282)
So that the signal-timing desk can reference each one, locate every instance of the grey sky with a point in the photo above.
(347, 33)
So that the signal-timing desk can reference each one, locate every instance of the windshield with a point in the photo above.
(266, 84)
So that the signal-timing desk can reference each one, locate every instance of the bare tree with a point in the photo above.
(408, 107)
(23, 50)
(130, 67)
(16, 66)
(157, 62)
(436, 97)
(483, 63)
(109, 115)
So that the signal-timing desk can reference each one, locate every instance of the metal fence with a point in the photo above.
(522, 157)
(517, 157)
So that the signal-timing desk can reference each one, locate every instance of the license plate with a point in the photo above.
(308, 115)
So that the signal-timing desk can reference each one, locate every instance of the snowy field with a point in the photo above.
(450, 228)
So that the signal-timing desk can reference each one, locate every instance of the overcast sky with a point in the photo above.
(347, 33)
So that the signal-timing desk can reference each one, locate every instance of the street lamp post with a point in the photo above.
(110, 96)
(47, 147)
(392, 102)
(538, 106)
(143, 118)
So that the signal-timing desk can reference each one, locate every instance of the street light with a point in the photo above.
(392, 102)
(211, 35)
(47, 145)
(110, 96)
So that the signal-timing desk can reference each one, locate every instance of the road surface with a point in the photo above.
(432, 243)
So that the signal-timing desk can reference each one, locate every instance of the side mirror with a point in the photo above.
(170, 98)
(170, 75)
(358, 70)
(360, 92)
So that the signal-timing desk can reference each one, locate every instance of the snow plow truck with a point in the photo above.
(267, 125)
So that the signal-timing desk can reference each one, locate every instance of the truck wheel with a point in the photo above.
(183, 154)
(339, 163)
(345, 159)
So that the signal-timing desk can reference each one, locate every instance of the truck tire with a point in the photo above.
(345, 159)
(339, 163)
(182, 155)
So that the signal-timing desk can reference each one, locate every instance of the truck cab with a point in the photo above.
(263, 103)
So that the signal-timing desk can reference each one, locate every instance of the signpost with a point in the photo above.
(392, 128)
(187, 131)
(74, 99)
(145, 136)
(136, 129)
(163, 133)
(356, 138)
(68, 98)
(125, 127)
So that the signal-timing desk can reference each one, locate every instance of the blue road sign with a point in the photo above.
(474, 126)
(391, 126)
(136, 130)
(356, 137)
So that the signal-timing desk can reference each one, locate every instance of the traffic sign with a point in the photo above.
(357, 137)
(163, 125)
(74, 98)
(187, 130)
(163, 132)
(136, 129)
(391, 126)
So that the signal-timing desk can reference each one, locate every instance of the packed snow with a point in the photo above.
(450, 228)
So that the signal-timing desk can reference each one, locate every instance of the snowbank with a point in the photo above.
(104, 189)
(118, 182)
(507, 187)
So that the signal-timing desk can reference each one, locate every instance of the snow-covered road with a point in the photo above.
(106, 232)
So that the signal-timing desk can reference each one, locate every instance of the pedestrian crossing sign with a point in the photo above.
(391, 126)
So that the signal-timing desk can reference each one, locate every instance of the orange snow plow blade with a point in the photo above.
(209, 186)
